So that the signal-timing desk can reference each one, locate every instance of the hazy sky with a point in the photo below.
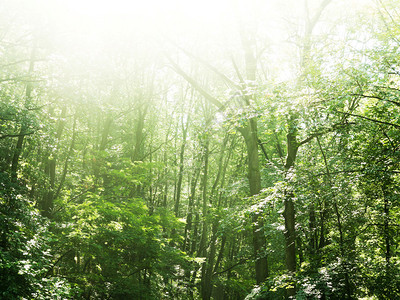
(92, 29)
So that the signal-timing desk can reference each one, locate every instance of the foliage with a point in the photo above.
(25, 248)
(127, 173)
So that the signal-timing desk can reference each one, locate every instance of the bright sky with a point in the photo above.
(153, 13)
(93, 26)
(166, 16)
(205, 8)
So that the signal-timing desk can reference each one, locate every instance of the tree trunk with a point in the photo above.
(208, 266)
(348, 287)
(261, 263)
(180, 173)
(386, 228)
(21, 136)
(47, 204)
(138, 151)
(189, 218)
(102, 146)
(289, 212)
(204, 233)
(313, 230)
(249, 132)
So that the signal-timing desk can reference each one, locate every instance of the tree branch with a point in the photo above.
(195, 84)
(317, 134)
(369, 119)
(376, 97)
(242, 261)
(3, 136)
(208, 65)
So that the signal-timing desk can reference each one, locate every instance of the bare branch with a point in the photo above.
(195, 84)
(229, 81)
(240, 262)
(377, 98)
(369, 119)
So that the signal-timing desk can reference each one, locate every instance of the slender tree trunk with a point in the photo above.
(254, 177)
(47, 204)
(204, 233)
(139, 150)
(339, 225)
(250, 135)
(323, 215)
(180, 173)
(249, 132)
(102, 146)
(290, 234)
(289, 212)
(189, 218)
(69, 154)
(220, 254)
(195, 235)
(313, 230)
(105, 133)
(139, 135)
(386, 229)
(24, 127)
(208, 266)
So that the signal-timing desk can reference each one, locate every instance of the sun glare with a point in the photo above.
(145, 17)
(100, 8)
(93, 27)
(206, 9)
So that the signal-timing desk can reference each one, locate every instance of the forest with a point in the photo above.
(224, 149)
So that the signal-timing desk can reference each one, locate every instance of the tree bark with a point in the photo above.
(261, 263)
(289, 212)
(189, 218)
(204, 233)
(386, 229)
(180, 172)
(47, 204)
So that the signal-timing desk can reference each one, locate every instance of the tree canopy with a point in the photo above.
(199, 150)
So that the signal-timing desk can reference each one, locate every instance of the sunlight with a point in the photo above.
(206, 10)
(99, 8)
(149, 18)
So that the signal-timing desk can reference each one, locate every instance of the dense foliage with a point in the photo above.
(140, 166)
